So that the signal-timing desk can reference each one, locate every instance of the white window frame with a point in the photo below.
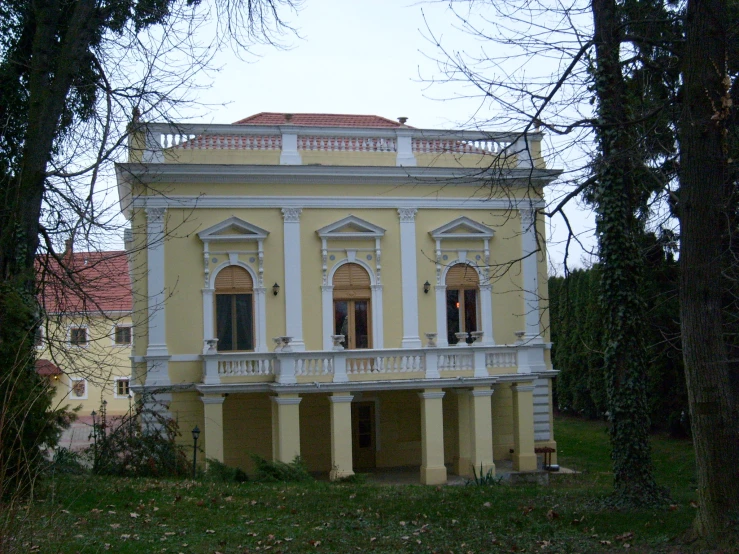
(87, 336)
(115, 387)
(74, 380)
(129, 343)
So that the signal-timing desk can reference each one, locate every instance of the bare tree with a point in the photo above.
(648, 69)
(71, 75)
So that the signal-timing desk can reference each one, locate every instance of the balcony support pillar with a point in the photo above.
(213, 423)
(285, 427)
(524, 458)
(341, 436)
(433, 470)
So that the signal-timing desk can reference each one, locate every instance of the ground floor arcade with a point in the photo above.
(437, 429)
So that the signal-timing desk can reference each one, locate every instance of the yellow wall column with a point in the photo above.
(524, 458)
(285, 427)
(462, 464)
(481, 427)
(213, 415)
(433, 470)
(341, 436)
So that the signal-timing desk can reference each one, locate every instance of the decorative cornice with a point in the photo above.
(291, 215)
(435, 395)
(407, 215)
(285, 401)
(310, 202)
(212, 399)
(133, 173)
(340, 399)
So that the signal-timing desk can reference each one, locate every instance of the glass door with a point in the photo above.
(351, 319)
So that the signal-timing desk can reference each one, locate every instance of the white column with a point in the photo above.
(378, 330)
(293, 279)
(327, 304)
(441, 331)
(409, 279)
(486, 314)
(157, 356)
(208, 331)
(530, 284)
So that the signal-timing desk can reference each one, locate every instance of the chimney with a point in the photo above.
(288, 117)
(402, 120)
(68, 247)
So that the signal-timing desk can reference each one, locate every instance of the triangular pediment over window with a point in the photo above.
(463, 228)
(351, 227)
(232, 230)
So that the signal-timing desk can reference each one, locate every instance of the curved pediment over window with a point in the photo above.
(233, 229)
(463, 228)
(351, 227)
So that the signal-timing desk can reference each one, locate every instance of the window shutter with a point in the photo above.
(233, 278)
(462, 275)
(351, 276)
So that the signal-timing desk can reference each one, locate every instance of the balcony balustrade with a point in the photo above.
(342, 366)
(513, 147)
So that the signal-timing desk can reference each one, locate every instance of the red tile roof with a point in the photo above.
(318, 120)
(45, 368)
(86, 282)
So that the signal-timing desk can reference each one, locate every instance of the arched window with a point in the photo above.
(234, 309)
(462, 292)
(352, 315)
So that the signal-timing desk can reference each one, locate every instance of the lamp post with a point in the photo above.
(94, 440)
(195, 435)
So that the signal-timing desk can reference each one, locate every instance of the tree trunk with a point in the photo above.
(704, 213)
(618, 229)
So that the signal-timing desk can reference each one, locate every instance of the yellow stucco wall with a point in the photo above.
(98, 363)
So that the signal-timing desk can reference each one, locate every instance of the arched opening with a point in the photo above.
(462, 293)
(234, 293)
(352, 310)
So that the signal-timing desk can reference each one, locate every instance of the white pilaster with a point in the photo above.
(409, 284)
(441, 336)
(378, 330)
(486, 314)
(293, 278)
(208, 331)
(157, 356)
(530, 277)
(327, 301)
(155, 281)
(260, 329)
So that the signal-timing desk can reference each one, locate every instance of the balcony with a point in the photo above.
(337, 367)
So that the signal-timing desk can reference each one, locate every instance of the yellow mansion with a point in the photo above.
(349, 289)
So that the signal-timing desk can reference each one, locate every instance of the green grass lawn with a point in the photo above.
(93, 514)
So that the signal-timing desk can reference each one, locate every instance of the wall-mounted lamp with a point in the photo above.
(426, 287)
(275, 289)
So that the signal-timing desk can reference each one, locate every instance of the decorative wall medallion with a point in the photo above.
(445, 257)
(369, 256)
(477, 257)
(214, 260)
(332, 257)
(253, 259)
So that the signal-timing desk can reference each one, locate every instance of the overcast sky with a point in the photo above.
(360, 57)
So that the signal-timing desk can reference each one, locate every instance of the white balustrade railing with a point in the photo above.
(230, 367)
(340, 366)
(456, 361)
(406, 142)
(399, 362)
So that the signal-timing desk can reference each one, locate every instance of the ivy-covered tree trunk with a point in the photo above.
(704, 210)
(618, 228)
